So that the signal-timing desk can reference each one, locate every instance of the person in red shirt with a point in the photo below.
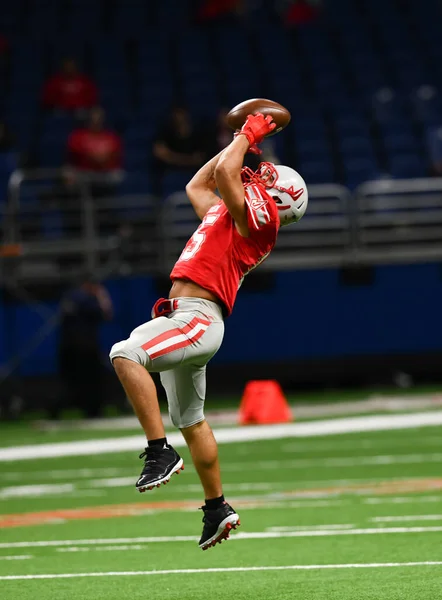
(236, 234)
(95, 148)
(69, 90)
(210, 10)
(301, 12)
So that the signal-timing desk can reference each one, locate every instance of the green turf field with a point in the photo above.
(339, 517)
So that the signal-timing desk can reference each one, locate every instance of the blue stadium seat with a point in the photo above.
(130, 19)
(51, 150)
(427, 104)
(311, 149)
(316, 171)
(175, 181)
(399, 142)
(433, 141)
(358, 170)
(407, 166)
(356, 146)
(387, 105)
(136, 183)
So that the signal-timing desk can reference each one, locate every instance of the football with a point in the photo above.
(238, 115)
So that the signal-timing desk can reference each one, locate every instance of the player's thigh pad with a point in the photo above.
(165, 343)
(186, 391)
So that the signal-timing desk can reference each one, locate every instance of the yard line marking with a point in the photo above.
(251, 535)
(95, 487)
(311, 527)
(117, 478)
(355, 487)
(340, 462)
(18, 557)
(231, 435)
(406, 518)
(64, 473)
(101, 548)
(402, 500)
(361, 443)
(36, 490)
(223, 570)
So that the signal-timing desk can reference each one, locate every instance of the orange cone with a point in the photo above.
(263, 401)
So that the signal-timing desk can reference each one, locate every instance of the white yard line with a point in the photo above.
(44, 489)
(102, 548)
(331, 527)
(230, 435)
(280, 490)
(36, 491)
(17, 557)
(339, 462)
(402, 500)
(64, 474)
(313, 446)
(252, 535)
(405, 518)
(114, 476)
(223, 570)
(97, 487)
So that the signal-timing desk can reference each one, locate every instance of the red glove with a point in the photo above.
(257, 127)
(254, 149)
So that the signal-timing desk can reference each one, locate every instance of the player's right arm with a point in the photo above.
(201, 188)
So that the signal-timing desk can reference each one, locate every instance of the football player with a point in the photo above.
(236, 234)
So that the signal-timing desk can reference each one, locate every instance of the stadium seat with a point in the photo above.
(407, 166)
(174, 181)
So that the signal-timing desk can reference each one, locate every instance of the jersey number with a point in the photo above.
(193, 245)
(197, 239)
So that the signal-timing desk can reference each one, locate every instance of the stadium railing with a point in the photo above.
(381, 221)
(399, 220)
(322, 238)
(64, 237)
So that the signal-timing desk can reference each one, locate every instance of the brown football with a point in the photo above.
(238, 115)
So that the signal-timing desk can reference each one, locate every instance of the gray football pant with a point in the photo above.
(178, 346)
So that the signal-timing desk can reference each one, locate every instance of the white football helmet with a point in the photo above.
(285, 186)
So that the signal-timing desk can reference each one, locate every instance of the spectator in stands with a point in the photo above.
(70, 90)
(178, 145)
(216, 10)
(81, 369)
(95, 152)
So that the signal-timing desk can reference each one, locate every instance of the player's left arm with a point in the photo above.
(229, 182)
(201, 188)
(228, 170)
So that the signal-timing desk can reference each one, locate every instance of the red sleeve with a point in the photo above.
(262, 213)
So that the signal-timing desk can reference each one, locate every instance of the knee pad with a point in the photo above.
(123, 350)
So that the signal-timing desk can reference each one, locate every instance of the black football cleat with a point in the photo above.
(217, 525)
(159, 465)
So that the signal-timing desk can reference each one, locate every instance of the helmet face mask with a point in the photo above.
(284, 185)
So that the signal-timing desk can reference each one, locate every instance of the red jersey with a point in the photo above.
(95, 150)
(70, 93)
(217, 257)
